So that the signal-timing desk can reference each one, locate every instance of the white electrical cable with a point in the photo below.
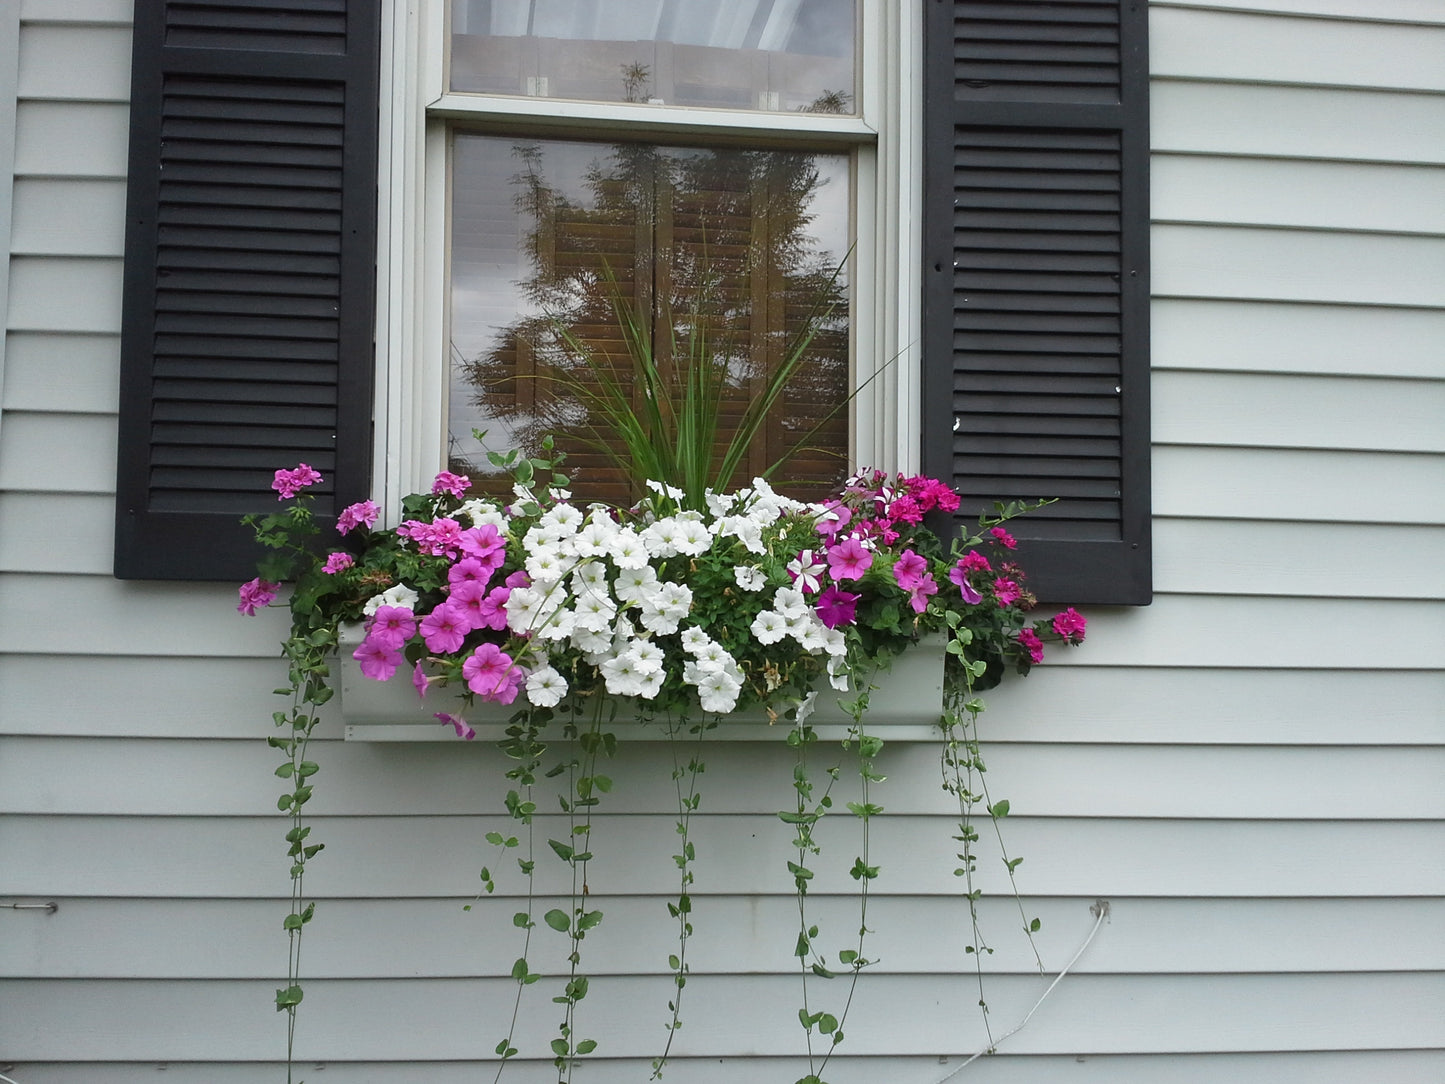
(1101, 912)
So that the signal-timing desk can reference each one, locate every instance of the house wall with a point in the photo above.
(1247, 770)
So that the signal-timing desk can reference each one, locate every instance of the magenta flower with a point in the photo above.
(910, 570)
(1070, 625)
(959, 576)
(360, 514)
(973, 561)
(455, 484)
(835, 517)
(806, 570)
(466, 601)
(419, 681)
(378, 661)
(440, 538)
(493, 611)
(338, 561)
(492, 675)
(1007, 591)
(1003, 538)
(391, 626)
(469, 568)
(486, 544)
(445, 628)
(848, 560)
(256, 593)
(837, 607)
(1029, 640)
(288, 483)
(518, 579)
(919, 594)
(463, 730)
(905, 508)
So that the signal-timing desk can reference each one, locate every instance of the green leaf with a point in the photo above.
(586, 1046)
(560, 1048)
(293, 922)
(558, 920)
(589, 919)
(827, 1024)
(519, 969)
(521, 920)
(562, 850)
(285, 770)
(999, 808)
(822, 972)
(798, 818)
(288, 998)
(495, 838)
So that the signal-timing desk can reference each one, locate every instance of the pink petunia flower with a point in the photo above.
(919, 594)
(484, 543)
(391, 626)
(462, 728)
(492, 675)
(256, 593)
(419, 681)
(959, 576)
(360, 514)
(469, 568)
(837, 607)
(1070, 625)
(455, 484)
(445, 628)
(1030, 641)
(848, 560)
(905, 508)
(492, 613)
(1003, 538)
(337, 562)
(910, 570)
(288, 483)
(378, 661)
(518, 579)
(835, 517)
(1006, 591)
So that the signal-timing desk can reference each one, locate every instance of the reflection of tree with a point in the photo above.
(718, 239)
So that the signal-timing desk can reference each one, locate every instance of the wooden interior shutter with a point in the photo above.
(248, 326)
(1036, 280)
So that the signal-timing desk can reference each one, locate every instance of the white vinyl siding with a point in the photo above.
(1248, 769)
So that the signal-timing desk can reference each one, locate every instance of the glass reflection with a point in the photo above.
(773, 55)
(548, 236)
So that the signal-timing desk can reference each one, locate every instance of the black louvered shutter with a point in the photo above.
(1036, 292)
(247, 337)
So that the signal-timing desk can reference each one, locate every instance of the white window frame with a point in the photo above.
(417, 113)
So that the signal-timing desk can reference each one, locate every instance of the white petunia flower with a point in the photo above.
(631, 583)
(481, 512)
(595, 539)
(791, 603)
(628, 550)
(649, 657)
(399, 595)
(718, 692)
(662, 537)
(694, 639)
(694, 538)
(545, 564)
(546, 687)
(620, 674)
(749, 579)
(838, 675)
(769, 627)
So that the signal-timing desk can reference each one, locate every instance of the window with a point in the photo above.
(1008, 354)
(719, 157)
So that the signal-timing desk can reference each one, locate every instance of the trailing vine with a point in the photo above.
(685, 788)
(748, 600)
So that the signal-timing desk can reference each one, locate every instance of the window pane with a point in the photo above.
(775, 55)
(552, 237)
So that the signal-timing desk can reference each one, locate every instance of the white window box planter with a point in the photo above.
(904, 706)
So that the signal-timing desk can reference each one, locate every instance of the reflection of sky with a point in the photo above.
(490, 263)
(817, 27)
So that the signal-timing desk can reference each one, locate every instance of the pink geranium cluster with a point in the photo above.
(288, 483)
